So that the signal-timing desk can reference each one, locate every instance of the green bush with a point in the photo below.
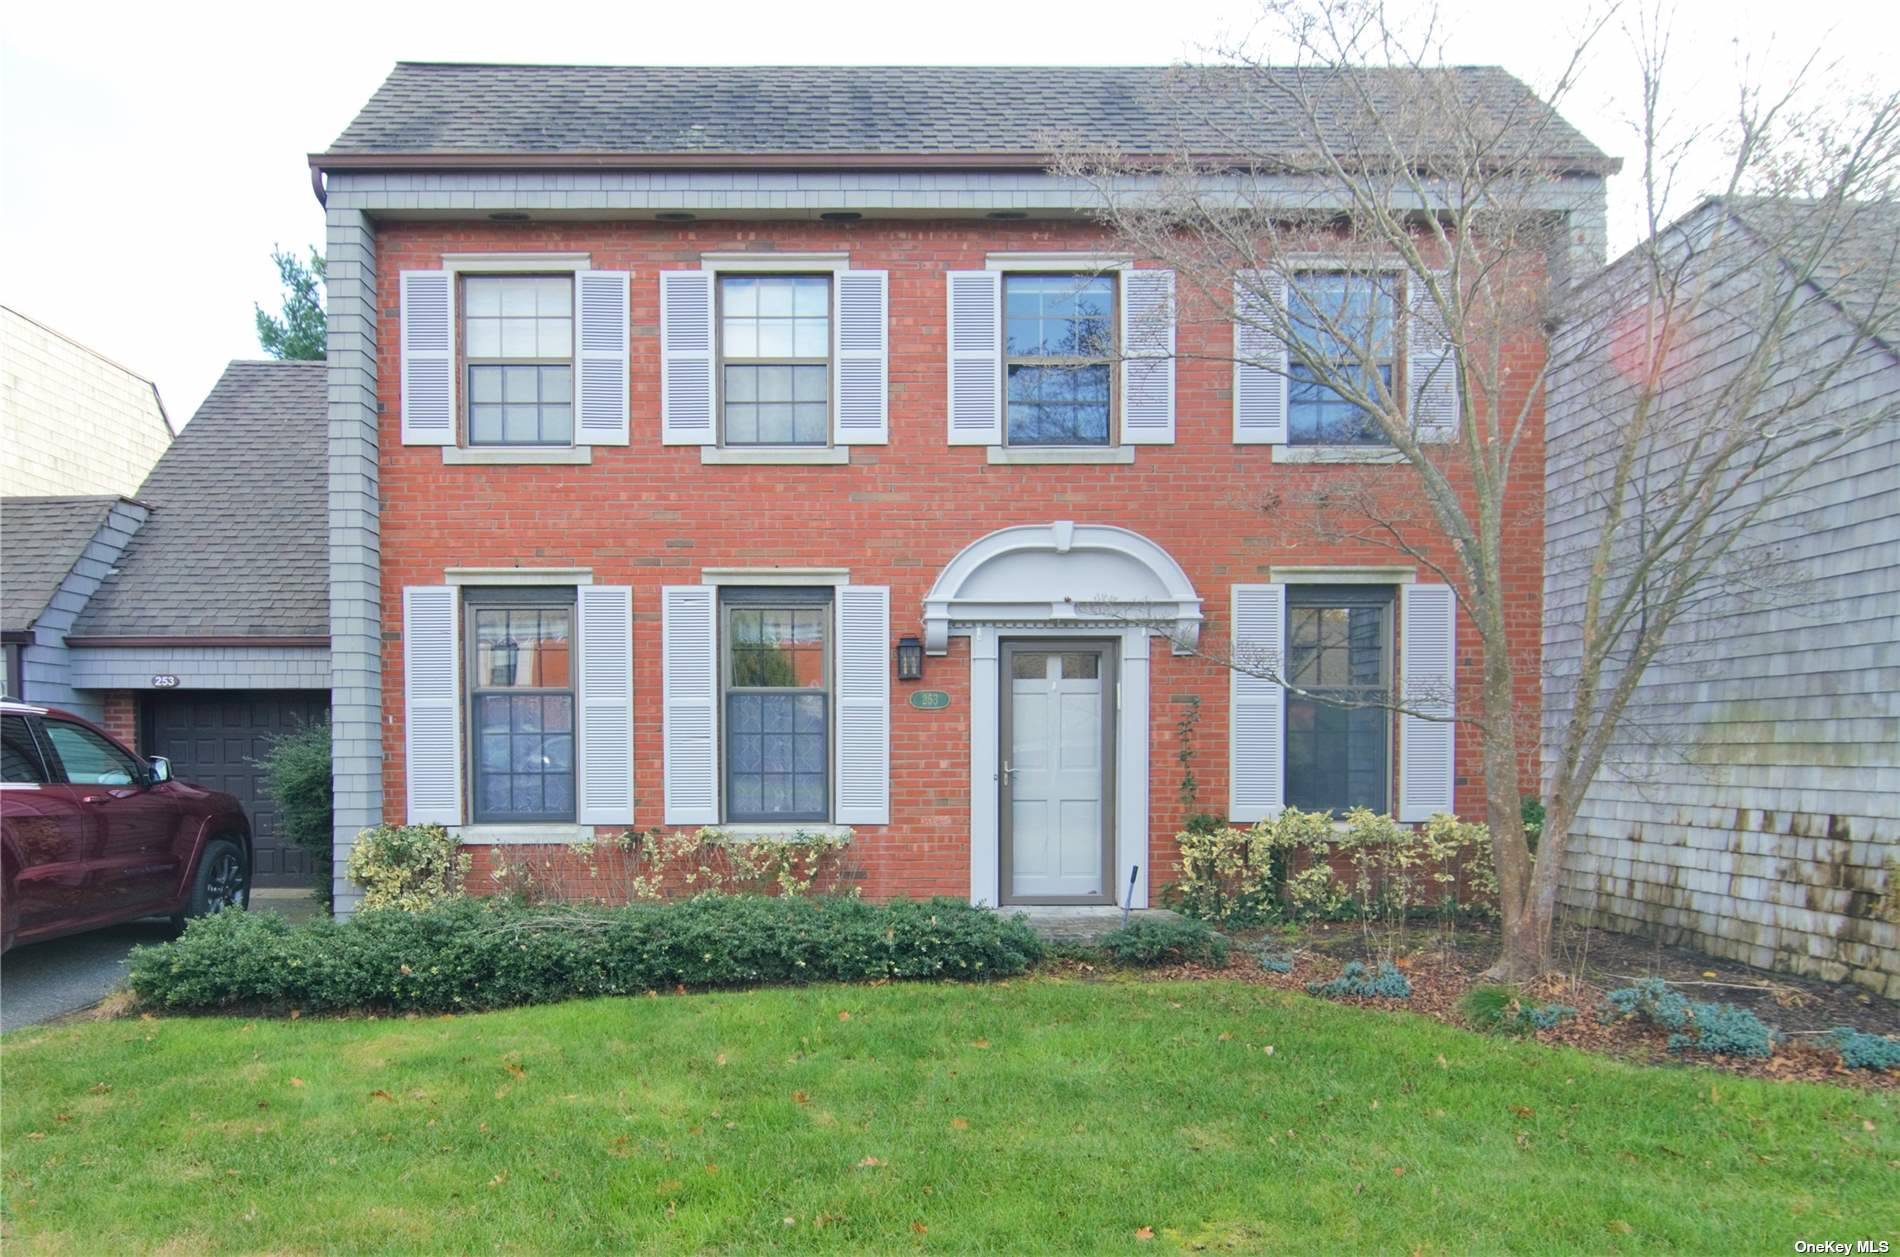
(1694, 1025)
(1151, 941)
(1356, 981)
(297, 777)
(1500, 1008)
(1862, 1050)
(470, 954)
(411, 867)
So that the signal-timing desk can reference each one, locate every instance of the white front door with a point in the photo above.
(1057, 744)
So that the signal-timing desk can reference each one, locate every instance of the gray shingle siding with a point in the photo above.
(1752, 801)
(353, 540)
(45, 663)
(201, 667)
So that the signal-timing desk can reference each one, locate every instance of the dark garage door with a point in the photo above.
(213, 737)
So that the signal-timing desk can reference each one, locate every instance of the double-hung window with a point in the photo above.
(518, 343)
(776, 657)
(1059, 359)
(1347, 322)
(775, 359)
(521, 703)
(1338, 718)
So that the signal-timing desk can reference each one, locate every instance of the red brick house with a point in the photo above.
(781, 450)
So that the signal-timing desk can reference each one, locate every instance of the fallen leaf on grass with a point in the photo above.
(1521, 1111)
(100, 1088)
(1144, 1232)
(869, 1163)
(668, 1185)
(1619, 1226)
(957, 1123)
(380, 1094)
(712, 1167)
(296, 1082)
(1223, 1036)
(844, 1014)
(514, 1069)
(499, 1179)
(1398, 1171)
(799, 1097)
(980, 1044)
(920, 1228)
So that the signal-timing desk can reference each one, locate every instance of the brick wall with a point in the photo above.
(650, 515)
(120, 717)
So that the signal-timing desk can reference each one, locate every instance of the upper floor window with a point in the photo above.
(518, 339)
(521, 703)
(1345, 320)
(1338, 654)
(775, 359)
(1059, 353)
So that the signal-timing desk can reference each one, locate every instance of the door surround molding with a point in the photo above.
(1109, 684)
(1131, 754)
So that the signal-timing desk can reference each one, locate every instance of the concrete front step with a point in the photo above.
(1066, 924)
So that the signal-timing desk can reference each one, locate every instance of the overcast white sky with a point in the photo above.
(151, 155)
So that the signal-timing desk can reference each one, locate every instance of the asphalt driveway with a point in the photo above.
(40, 981)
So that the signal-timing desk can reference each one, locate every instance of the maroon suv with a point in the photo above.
(92, 835)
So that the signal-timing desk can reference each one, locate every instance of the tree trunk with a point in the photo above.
(1522, 952)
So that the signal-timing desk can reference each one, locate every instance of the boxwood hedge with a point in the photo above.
(475, 954)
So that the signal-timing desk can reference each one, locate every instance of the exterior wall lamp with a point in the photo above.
(910, 659)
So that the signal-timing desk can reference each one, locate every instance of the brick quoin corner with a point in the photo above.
(648, 515)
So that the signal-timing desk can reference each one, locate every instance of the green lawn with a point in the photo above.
(1028, 1116)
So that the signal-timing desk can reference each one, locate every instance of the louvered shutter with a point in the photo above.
(1148, 357)
(1259, 359)
(431, 689)
(604, 343)
(864, 705)
(686, 358)
(428, 357)
(1427, 640)
(976, 357)
(1431, 368)
(1256, 755)
(604, 755)
(689, 690)
(862, 299)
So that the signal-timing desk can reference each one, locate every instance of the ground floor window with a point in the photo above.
(776, 675)
(521, 702)
(1338, 723)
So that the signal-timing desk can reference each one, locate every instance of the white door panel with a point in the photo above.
(1056, 792)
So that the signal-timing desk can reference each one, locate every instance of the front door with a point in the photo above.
(1057, 775)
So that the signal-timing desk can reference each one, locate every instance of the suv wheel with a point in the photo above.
(223, 880)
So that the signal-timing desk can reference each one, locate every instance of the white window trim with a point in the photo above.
(518, 455)
(518, 576)
(781, 263)
(761, 831)
(775, 455)
(1343, 574)
(1081, 263)
(1348, 455)
(459, 264)
(835, 577)
(1057, 455)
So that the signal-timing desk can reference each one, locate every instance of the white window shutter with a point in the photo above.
(432, 692)
(976, 357)
(1259, 359)
(1431, 367)
(686, 358)
(1147, 357)
(862, 412)
(1256, 754)
(864, 705)
(428, 357)
(604, 754)
(1427, 642)
(603, 343)
(689, 690)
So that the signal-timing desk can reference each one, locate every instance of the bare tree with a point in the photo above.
(1414, 256)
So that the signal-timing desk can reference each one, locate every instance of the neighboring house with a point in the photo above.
(72, 422)
(1750, 806)
(756, 449)
(193, 622)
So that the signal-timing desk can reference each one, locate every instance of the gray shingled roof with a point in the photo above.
(964, 111)
(40, 540)
(237, 543)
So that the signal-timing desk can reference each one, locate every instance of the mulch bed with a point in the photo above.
(1443, 971)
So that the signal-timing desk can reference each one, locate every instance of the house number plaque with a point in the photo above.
(164, 681)
(930, 700)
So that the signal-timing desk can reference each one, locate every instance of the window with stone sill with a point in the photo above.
(1348, 321)
(1059, 356)
(774, 360)
(518, 350)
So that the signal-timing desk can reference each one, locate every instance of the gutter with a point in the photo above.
(154, 643)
